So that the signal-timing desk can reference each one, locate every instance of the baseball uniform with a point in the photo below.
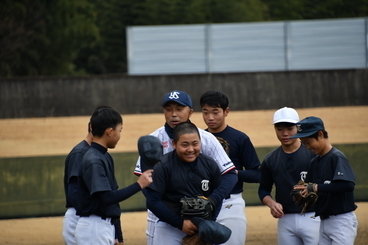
(99, 197)
(242, 153)
(72, 162)
(209, 147)
(284, 170)
(335, 204)
(174, 179)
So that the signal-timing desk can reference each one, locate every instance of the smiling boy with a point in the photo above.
(183, 172)
(177, 108)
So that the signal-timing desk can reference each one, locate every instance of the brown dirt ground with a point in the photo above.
(56, 136)
(47, 231)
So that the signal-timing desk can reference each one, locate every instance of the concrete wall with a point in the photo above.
(78, 96)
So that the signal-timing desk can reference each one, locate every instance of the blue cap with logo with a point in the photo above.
(308, 126)
(179, 97)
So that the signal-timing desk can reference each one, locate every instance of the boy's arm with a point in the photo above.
(228, 181)
(155, 204)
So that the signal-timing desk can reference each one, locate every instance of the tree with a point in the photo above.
(41, 37)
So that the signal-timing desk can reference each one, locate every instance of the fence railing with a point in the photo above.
(244, 47)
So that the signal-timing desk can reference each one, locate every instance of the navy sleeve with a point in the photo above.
(111, 197)
(250, 175)
(228, 181)
(155, 204)
(266, 182)
(118, 231)
(336, 186)
(73, 191)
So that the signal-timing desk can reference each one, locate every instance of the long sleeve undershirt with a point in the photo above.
(336, 186)
(110, 197)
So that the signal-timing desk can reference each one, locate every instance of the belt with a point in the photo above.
(111, 220)
(229, 196)
(323, 217)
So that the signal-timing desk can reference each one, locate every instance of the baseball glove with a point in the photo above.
(306, 201)
(199, 206)
(193, 240)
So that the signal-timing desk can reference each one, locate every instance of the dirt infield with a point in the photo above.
(47, 231)
(56, 136)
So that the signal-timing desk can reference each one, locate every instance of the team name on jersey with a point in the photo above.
(165, 144)
(227, 164)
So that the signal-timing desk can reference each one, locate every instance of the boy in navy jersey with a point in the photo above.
(215, 108)
(332, 178)
(283, 168)
(183, 172)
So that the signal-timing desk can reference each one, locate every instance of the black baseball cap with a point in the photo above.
(308, 126)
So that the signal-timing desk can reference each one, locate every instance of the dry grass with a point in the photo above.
(56, 136)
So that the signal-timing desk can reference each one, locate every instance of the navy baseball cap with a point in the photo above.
(308, 126)
(150, 151)
(179, 97)
(211, 232)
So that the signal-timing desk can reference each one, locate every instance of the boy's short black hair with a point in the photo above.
(104, 118)
(184, 128)
(215, 99)
(96, 109)
(284, 124)
(315, 135)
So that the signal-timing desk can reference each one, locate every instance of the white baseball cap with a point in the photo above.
(285, 114)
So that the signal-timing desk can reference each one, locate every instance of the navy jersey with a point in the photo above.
(175, 179)
(96, 174)
(72, 163)
(284, 170)
(332, 167)
(241, 151)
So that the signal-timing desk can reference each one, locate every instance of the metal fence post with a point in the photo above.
(287, 44)
(208, 48)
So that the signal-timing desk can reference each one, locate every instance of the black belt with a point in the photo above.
(112, 221)
(323, 217)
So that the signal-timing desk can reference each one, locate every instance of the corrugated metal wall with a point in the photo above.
(243, 47)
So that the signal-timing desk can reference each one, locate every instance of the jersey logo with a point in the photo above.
(228, 206)
(205, 185)
(303, 175)
(174, 95)
(327, 182)
(340, 173)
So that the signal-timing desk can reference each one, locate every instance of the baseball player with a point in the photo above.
(98, 194)
(177, 108)
(332, 178)
(72, 163)
(215, 108)
(183, 172)
(284, 167)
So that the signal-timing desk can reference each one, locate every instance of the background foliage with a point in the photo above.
(71, 37)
